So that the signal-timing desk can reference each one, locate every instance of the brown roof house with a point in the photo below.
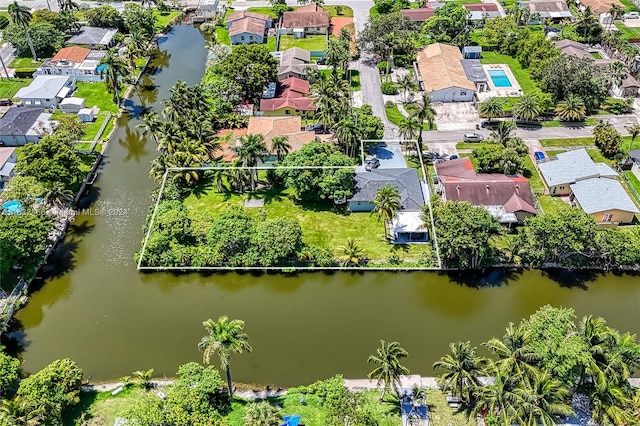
(507, 198)
(599, 6)
(541, 10)
(248, 27)
(310, 19)
(294, 62)
(441, 74)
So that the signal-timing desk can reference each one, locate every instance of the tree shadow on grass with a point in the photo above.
(399, 247)
(204, 185)
(78, 413)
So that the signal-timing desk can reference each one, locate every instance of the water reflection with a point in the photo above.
(134, 142)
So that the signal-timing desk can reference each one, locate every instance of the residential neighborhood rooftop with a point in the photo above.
(440, 67)
(307, 16)
(597, 195)
(405, 180)
(93, 36)
(293, 93)
(572, 166)
(601, 6)
(247, 25)
(72, 54)
(553, 9)
(43, 87)
(19, 120)
(241, 14)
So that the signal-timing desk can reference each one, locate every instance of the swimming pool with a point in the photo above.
(499, 78)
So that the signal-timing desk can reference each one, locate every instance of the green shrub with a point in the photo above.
(24, 72)
(4, 21)
(389, 88)
(382, 67)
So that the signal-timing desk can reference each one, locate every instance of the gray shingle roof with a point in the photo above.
(18, 120)
(406, 180)
(43, 87)
(473, 69)
(570, 166)
(93, 36)
(602, 194)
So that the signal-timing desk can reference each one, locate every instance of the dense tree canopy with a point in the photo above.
(252, 67)
(51, 161)
(45, 36)
(388, 34)
(609, 140)
(23, 241)
(104, 16)
(449, 25)
(386, 6)
(9, 374)
(498, 159)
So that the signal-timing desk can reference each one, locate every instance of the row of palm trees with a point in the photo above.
(527, 108)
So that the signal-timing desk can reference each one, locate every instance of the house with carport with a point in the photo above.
(8, 160)
(294, 62)
(46, 91)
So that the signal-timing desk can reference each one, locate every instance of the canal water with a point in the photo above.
(98, 310)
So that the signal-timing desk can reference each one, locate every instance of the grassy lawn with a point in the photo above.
(554, 152)
(315, 42)
(596, 155)
(522, 75)
(559, 123)
(347, 12)
(596, 55)
(627, 32)
(322, 224)
(632, 181)
(469, 145)
(588, 141)
(395, 116)
(24, 63)
(163, 18)
(550, 204)
(441, 414)
(96, 94)
(355, 80)
(101, 408)
(628, 146)
(531, 173)
(93, 128)
(263, 10)
(222, 35)
(271, 44)
(9, 88)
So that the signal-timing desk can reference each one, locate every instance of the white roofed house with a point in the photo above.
(47, 91)
(81, 63)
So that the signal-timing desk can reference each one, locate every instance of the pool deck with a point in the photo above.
(502, 92)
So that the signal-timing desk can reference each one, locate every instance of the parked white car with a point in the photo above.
(631, 15)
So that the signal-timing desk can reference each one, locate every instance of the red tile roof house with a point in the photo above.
(309, 19)
(507, 198)
(293, 99)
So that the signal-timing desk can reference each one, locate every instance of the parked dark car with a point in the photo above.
(453, 157)
(321, 61)
(318, 128)
(5, 102)
(371, 162)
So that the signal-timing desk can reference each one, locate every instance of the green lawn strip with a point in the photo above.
(347, 12)
(522, 75)
(627, 32)
(550, 204)
(222, 36)
(263, 10)
(531, 173)
(164, 18)
(469, 145)
(395, 116)
(271, 44)
(314, 42)
(92, 128)
(589, 121)
(596, 155)
(628, 146)
(554, 152)
(96, 94)
(101, 407)
(322, 224)
(633, 181)
(9, 88)
(24, 63)
(586, 141)
(441, 414)
(596, 55)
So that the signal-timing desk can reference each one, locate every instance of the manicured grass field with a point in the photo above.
(313, 42)
(24, 63)
(596, 155)
(222, 36)
(96, 94)
(627, 32)
(263, 10)
(347, 12)
(522, 75)
(395, 116)
(559, 123)
(322, 224)
(531, 173)
(271, 44)
(587, 141)
(9, 88)
(550, 204)
(163, 18)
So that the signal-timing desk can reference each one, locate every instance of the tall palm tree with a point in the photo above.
(584, 20)
(500, 399)
(346, 132)
(69, 21)
(409, 127)
(424, 112)
(503, 133)
(407, 84)
(386, 203)
(543, 401)
(388, 367)
(252, 148)
(21, 16)
(58, 196)
(115, 70)
(224, 337)
(527, 108)
(351, 253)
(571, 109)
(514, 353)
(18, 412)
(634, 131)
(462, 369)
(491, 108)
(336, 54)
(608, 401)
(280, 146)
(616, 11)
(67, 5)
(616, 73)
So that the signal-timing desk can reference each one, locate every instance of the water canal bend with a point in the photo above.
(98, 310)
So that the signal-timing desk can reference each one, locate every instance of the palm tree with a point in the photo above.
(407, 84)
(634, 131)
(386, 203)
(352, 254)
(527, 108)
(513, 351)
(18, 412)
(388, 367)
(58, 196)
(616, 12)
(336, 54)
(424, 111)
(608, 400)
(491, 108)
(543, 401)
(409, 127)
(280, 146)
(115, 70)
(144, 377)
(571, 109)
(499, 399)
(21, 16)
(346, 132)
(261, 414)
(252, 148)
(67, 5)
(462, 369)
(584, 20)
(503, 133)
(68, 20)
(616, 73)
(224, 337)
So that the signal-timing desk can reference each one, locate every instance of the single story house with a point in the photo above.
(439, 71)
(507, 198)
(541, 10)
(570, 167)
(628, 88)
(604, 199)
(93, 37)
(243, 14)
(599, 6)
(368, 183)
(22, 125)
(482, 11)
(47, 90)
(634, 157)
(581, 50)
(292, 98)
(81, 63)
(421, 14)
(247, 31)
(8, 160)
(408, 227)
(294, 62)
(477, 12)
(310, 19)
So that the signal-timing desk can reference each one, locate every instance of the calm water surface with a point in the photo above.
(112, 320)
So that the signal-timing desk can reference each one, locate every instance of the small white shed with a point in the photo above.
(88, 115)
(72, 105)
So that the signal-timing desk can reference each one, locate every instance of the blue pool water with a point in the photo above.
(499, 78)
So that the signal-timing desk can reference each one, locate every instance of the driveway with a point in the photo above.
(456, 115)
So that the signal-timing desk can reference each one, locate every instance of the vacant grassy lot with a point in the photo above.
(522, 75)
(96, 94)
(101, 408)
(322, 223)
(588, 141)
(346, 12)
(9, 88)
(314, 42)
(550, 204)
(24, 63)
(164, 18)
